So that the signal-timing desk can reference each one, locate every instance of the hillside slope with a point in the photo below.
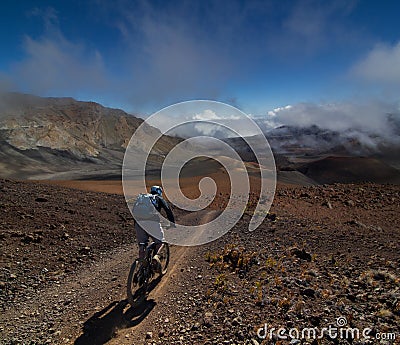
(40, 137)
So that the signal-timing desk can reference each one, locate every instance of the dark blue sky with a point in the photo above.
(258, 55)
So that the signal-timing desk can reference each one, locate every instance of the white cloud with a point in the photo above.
(209, 114)
(381, 65)
(206, 115)
(57, 66)
(275, 112)
(362, 121)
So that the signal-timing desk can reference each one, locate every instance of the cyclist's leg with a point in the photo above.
(142, 238)
(158, 237)
(154, 229)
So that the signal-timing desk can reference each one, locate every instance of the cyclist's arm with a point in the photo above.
(164, 205)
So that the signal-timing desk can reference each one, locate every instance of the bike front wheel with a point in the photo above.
(163, 254)
(136, 284)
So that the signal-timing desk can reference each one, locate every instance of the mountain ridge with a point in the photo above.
(52, 135)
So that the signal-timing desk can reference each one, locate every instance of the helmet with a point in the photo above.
(156, 190)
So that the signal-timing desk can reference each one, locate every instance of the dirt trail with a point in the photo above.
(179, 257)
(90, 307)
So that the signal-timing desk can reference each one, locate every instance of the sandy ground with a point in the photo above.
(323, 252)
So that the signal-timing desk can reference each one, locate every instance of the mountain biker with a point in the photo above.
(153, 225)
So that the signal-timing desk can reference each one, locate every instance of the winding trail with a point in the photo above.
(89, 306)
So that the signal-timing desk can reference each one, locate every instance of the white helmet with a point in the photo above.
(156, 190)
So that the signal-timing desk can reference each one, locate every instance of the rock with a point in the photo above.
(149, 335)
(41, 199)
(208, 318)
(85, 250)
(356, 222)
(28, 239)
(237, 321)
(308, 292)
(327, 204)
(301, 254)
(196, 326)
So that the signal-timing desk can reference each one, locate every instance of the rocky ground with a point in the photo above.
(324, 255)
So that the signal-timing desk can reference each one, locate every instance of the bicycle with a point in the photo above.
(142, 272)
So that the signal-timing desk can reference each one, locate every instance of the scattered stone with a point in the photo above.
(41, 199)
(237, 321)
(308, 292)
(85, 250)
(208, 319)
(327, 204)
(301, 254)
(28, 239)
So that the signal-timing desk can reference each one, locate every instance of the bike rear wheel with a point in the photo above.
(136, 285)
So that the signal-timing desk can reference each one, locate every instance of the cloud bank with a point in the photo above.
(370, 123)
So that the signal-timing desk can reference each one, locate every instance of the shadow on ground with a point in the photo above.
(103, 325)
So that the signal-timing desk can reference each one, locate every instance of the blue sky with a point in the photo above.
(258, 55)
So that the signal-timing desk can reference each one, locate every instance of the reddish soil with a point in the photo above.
(323, 252)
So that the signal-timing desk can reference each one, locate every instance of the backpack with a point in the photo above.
(145, 207)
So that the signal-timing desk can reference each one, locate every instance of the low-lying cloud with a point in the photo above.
(370, 123)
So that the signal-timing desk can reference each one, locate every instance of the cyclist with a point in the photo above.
(152, 226)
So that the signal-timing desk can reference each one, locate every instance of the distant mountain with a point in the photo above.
(326, 156)
(295, 141)
(65, 138)
(61, 138)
